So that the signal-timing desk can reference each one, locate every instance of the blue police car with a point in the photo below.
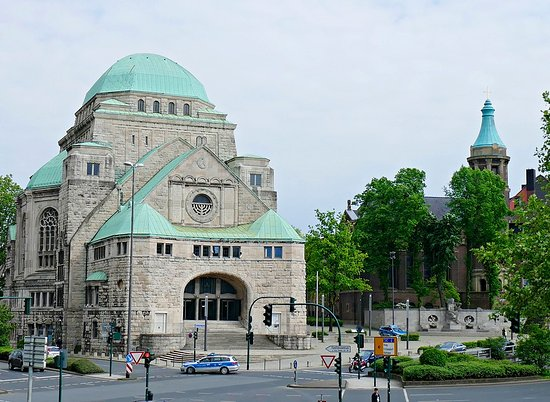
(212, 363)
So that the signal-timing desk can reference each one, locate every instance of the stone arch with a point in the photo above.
(227, 297)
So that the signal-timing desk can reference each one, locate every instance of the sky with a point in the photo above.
(334, 93)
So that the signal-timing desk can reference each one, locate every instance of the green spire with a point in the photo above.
(488, 134)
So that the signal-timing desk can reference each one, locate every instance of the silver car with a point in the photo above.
(212, 363)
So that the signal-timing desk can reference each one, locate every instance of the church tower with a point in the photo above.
(488, 151)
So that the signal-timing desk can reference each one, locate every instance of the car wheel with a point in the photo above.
(224, 370)
(10, 365)
(190, 370)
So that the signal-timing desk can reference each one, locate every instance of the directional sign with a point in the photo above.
(199, 325)
(385, 345)
(327, 360)
(129, 358)
(136, 356)
(338, 349)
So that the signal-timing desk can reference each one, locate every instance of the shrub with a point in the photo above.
(433, 357)
(318, 334)
(412, 337)
(311, 321)
(421, 349)
(83, 366)
(535, 349)
(5, 352)
(471, 344)
(460, 357)
(496, 345)
(426, 373)
(402, 363)
(518, 370)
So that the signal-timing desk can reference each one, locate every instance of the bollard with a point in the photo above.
(307, 363)
(279, 364)
(264, 364)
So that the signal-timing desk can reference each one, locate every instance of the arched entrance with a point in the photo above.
(224, 298)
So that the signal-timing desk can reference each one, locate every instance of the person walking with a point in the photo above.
(375, 397)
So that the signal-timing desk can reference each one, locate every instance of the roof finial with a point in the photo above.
(487, 92)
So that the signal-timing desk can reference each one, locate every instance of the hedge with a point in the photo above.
(5, 352)
(311, 321)
(78, 365)
(412, 337)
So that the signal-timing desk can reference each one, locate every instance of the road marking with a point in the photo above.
(405, 395)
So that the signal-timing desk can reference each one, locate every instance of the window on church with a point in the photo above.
(255, 179)
(141, 105)
(95, 329)
(146, 140)
(186, 109)
(197, 250)
(92, 169)
(278, 252)
(122, 248)
(202, 205)
(133, 139)
(237, 252)
(92, 296)
(215, 251)
(156, 107)
(47, 238)
(164, 248)
(268, 252)
(99, 253)
(225, 251)
(172, 108)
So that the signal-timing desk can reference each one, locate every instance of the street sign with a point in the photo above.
(129, 358)
(136, 356)
(385, 345)
(35, 351)
(199, 325)
(327, 360)
(295, 364)
(338, 349)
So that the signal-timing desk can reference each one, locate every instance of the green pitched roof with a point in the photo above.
(148, 73)
(97, 276)
(488, 134)
(150, 223)
(50, 174)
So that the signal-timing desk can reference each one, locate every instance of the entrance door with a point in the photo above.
(212, 310)
(230, 310)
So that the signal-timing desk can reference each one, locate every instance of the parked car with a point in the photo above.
(212, 363)
(509, 346)
(391, 330)
(452, 347)
(52, 351)
(15, 359)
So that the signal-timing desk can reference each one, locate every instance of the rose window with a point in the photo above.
(202, 205)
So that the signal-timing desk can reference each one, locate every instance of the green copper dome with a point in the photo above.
(488, 134)
(148, 73)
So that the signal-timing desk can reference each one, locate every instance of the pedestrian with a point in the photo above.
(504, 332)
(375, 396)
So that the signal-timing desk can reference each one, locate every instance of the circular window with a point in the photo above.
(201, 205)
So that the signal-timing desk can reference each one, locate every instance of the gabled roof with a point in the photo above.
(488, 134)
(150, 223)
(50, 174)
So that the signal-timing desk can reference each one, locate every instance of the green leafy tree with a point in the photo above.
(8, 193)
(440, 238)
(6, 326)
(330, 251)
(535, 348)
(388, 215)
(477, 200)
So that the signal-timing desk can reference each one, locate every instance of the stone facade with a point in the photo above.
(202, 227)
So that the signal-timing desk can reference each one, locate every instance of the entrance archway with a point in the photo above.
(225, 297)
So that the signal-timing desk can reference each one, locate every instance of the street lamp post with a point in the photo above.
(392, 258)
(133, 166)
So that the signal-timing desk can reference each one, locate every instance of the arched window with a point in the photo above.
(172, 108)
(141, 105)
(47, 238)
(186, 109)
(156, 107)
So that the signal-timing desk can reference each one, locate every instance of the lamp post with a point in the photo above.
(133, 166)
(392, 258)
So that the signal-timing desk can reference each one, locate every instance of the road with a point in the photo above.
(169, 384)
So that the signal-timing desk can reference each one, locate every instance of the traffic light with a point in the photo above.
(149, 395)
(110, 338)
(195, 335)
(149, 357)
(250, 338)
(338, 365)
(27, 305)
(359, 339)
(515, 324)
(250, 324)
(268, 313)
(292, 306)
(387, 364)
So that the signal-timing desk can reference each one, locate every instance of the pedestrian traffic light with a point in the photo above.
(149, 357)
(359, 339)
(268, 313)
(250, 338)
(338, 365)
(27, 305)
(109, 338)
(149, 395)
(515, 324)
(292, 306)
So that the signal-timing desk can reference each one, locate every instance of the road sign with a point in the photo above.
(136, 356)
(295, 364)
(129, 358)
(129, 368)
(338, 349)
(327, 360)
(385, 345)
(35, 351)
(199, 325)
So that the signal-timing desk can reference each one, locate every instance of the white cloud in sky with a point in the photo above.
(334, 93)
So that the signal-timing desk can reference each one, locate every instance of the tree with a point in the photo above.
(6, 326)
(8, 193)
(330, 251)
(477, 200)
(439, 239)
(388, 215)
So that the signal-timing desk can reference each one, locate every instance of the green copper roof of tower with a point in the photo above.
(50, 174)
(152, 73)
(488, 134)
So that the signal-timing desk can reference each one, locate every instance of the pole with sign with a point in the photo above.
(295, 365)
